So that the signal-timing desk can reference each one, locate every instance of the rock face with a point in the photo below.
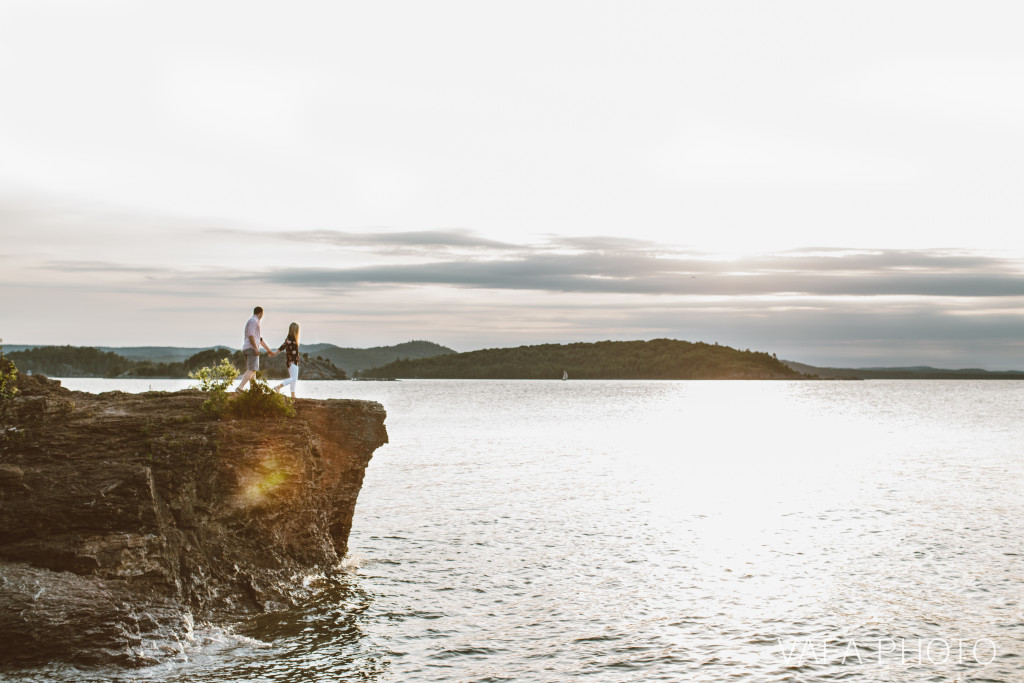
(125, 517)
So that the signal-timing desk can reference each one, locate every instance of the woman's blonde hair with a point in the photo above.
(293, 332)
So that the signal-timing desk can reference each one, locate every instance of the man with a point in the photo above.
(251, 347)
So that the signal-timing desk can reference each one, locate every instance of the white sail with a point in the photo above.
(565, 375)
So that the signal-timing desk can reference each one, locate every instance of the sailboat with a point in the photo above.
(565, 375)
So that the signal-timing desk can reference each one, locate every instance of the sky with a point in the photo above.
(836, 183)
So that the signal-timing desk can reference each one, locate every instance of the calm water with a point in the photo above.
(641, 531)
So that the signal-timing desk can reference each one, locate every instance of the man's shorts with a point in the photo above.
(252, 359)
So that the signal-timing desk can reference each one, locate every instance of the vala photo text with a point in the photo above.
(885, 651)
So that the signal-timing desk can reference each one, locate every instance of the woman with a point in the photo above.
(291, 354)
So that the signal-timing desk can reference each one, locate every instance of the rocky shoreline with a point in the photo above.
(125, 518)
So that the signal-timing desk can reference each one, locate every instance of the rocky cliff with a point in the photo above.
(126, 517)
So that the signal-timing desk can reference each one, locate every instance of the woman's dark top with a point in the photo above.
(291, 351)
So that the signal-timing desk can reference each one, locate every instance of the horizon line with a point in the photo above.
(829, 366)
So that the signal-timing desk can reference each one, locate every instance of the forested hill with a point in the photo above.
(354, 360)
(71, 361)
(655, 359)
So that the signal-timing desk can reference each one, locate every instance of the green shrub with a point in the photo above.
(216, 378)
(259, 401)
(8, 376)
(217, 402)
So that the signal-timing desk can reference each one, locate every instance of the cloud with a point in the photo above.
(391, 242)
(604, 243)
(942, 260)
(936, 273)
(103, 267)
(445, 239)
(459, 258)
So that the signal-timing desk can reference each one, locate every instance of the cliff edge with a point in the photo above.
(126, 517)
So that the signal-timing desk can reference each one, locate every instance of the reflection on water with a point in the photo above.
(633, 531)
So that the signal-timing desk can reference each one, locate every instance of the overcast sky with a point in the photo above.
(838, 183)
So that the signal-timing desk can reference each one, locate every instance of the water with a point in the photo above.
(641, 531)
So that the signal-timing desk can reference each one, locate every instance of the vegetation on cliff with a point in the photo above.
(655, 359)
(8, 376)
(215, 377)
(259, 400)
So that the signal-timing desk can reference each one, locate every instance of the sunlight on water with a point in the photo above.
(628, 531)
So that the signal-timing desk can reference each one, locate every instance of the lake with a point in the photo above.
(673, 530)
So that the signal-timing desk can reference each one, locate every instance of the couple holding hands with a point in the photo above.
(251, 348)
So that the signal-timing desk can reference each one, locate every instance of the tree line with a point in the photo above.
(86, 361)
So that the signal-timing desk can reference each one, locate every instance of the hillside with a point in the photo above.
(355, 360)
(70, 361)
(655, 359)
(155, 354)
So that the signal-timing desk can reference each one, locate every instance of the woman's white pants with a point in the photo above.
(293, 376)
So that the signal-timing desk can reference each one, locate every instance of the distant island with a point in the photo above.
(913, 372)
(655, 359)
